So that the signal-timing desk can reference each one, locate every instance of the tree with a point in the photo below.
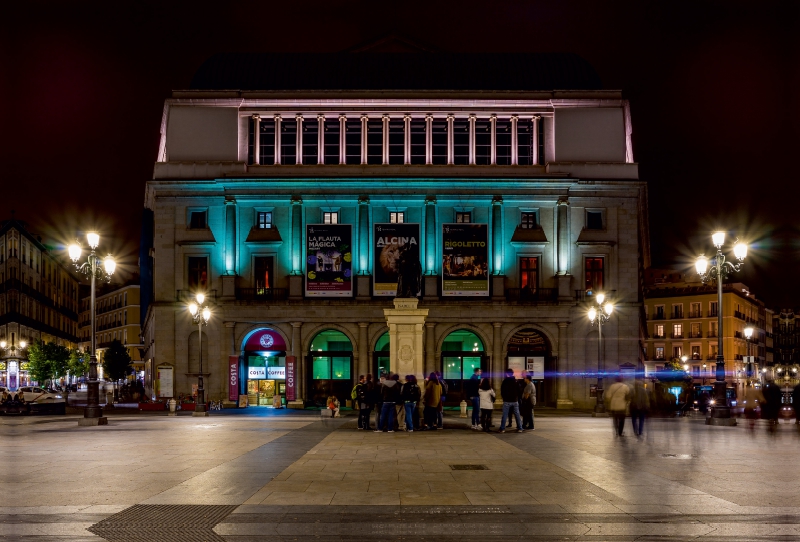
(47, 361)
(78, 363)
(116, 361)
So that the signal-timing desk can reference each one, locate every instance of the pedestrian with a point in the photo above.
(616, 399)
(390, 393)
(509, 392)
(486, 397)
(796, 403)
(377, 400)
(333, 405)
(356, 403)
(528, 402)
(410, 395)
(753, 399)
(364, 405)
(640, 406)
(772, 398)
(440, 410)
(433, 398)
(471, 388)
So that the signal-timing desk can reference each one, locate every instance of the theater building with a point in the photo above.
(288, 187)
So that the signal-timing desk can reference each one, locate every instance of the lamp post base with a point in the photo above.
(91, 422)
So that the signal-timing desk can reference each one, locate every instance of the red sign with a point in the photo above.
(291, 378)
(233, 378)
(265, 340)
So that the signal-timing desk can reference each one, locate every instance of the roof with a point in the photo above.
(396, 71)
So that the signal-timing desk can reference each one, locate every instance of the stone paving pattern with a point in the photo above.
(291, 476)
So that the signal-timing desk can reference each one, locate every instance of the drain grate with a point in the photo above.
(678, 456)
(157, 523)
(469, 467)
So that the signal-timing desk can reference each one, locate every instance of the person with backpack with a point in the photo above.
(390, 393)
(410, 395)
(356, 395)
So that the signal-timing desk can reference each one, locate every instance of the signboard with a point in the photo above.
(256, 373)
(243, 401)
(390, 240)
(536, 367)
(291, 378)
(233, 378)
(265, 340)
(465, 257)
(164, 381)
(329, 260)
(276, 373)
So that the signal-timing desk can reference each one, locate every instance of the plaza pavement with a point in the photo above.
(289, 475)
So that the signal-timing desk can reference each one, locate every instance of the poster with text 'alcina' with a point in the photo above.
(465, 260)
(329, 260)
(390, 242)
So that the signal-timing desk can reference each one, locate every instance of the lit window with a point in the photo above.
(677, 352)
(264, 220)
(397, 218)
(330, 218)
(594, 275)
(464, 218)
(529, 220)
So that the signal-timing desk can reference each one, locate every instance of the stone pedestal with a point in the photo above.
(228, 287)
(406, 322)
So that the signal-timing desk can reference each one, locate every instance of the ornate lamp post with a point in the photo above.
(748, 335)
(92, 414)
(600, 315)
(201, 314)
(717, 269)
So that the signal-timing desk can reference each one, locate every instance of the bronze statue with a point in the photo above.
(409, 273)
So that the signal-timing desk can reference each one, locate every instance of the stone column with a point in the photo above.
(498, 272)
(450, 142)
(428, 139)
(364, 119)
(298, 240)
(342, 139)
(493, 152)
(297, 352)
(363, 348)
(535, 140)
(430, 286)
(563, 248)
(562, 368)
(407, 139)
(430, 347)
(496, 369)
(514, 141)
(385, 146)
(277, 139)
(320, 139)
(298, 140)
(256, 139)
(472, 140)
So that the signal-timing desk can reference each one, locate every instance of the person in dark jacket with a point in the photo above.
(377, 400)
(527, 402)
(440, 411)
(471, 389)
(364, 392)
(410, 395)
(390, 393)
(772, 397)
(796, 403)
(509, 391)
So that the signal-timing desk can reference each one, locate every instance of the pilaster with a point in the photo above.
(562, 368)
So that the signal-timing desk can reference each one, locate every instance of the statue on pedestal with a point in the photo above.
(409, 272)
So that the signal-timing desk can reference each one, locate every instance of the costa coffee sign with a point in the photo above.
(291, 378)
(265, 340)
(233, 378)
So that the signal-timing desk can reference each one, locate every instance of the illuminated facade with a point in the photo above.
(290, 209)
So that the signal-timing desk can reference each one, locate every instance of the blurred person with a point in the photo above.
(377, 400)
(433, 397)
(796, 403)
(509, 392)
(772, 400)
(440, 410)
(753, 398)
(471, 389)
(486, 396)
(640, 407)
(364, 405)
(528, 402)
(616, 399)
(410, 395)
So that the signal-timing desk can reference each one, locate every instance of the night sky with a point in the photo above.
(713, 85)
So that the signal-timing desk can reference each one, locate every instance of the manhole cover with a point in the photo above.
(469, 467)
(156, 523)
(678, 456)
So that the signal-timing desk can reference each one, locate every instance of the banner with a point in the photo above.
(291, 378)
(390, 239)
(164, 381)
(329, 260)
(465, 257)
(233, 378)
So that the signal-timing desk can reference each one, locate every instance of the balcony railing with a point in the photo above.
(713, 313)
(695, 314)
(526, 295)
(659, 336)
(740, 315)
(261, 294)
(659, 316)
(676, 335)
(712, 334)
(696, 335)
(677, 315)
(581, 295)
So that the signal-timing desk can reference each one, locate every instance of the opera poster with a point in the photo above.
(390, 241)
(329, 260)
(465, 260)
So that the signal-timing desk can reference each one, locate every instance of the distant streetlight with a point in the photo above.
(748, 335)
(600, 315)
(201, 314)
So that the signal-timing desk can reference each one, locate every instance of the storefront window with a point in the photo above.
(322, 368)
(330, 367)
(462, 353)
(382, 356)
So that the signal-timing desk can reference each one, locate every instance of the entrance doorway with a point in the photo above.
(529, 351)
(380, 357)
(462, 353)
(264, 367)
(330, 365)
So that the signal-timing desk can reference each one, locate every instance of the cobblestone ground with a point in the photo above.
(288, 475)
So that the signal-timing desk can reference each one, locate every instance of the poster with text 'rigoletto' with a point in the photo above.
(465, 260)
(390, 242)
(329, 260)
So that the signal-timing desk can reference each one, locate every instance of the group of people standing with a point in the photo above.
(519, 398)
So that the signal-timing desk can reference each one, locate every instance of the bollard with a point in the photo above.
(172, 407)
(463, 409)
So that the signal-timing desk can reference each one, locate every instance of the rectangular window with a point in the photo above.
(288, 141)
(262, 270)
(463, 218)
(712, 329)
(461, 142)
(374, 141)
(524, 142)
(659, 352)
(397, 142)
(264, 220)
(658, 331)
(503, 142)
(266, 142)
(677, 310)
(310, 141)
(695, 368)
(251, 139)
(439, 141)
(321, 368)
(330, 217)
(694, 310)
(197, 220)
(595, 274)
(341, 368)
(197, 273)
(677, 331)
(452, 368)
(696, 333)
(529, 273)
(696, 352)
(529, 220)
(331, 141)
(483, 142)
(677, 352)
(352, 141)
(712, 309)
(417, 141)
(540, 125)
(659, 312)
(397, 218)
(594, 220)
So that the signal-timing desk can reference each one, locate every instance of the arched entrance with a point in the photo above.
(462, 353)
(330, 366)
(529, 351)
(380, 357)
(264, 366)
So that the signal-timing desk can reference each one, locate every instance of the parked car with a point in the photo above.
(32, 394)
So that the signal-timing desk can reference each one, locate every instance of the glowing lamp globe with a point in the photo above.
(93, 238)
(740, 251)
(748, 332)
(608, 308)
(109, 264)
(701, 265)
(193, 309)
(74, 252)
(200, 298)
(718, 238)
(3, 344)
(206, 314)
(23, 344)
(592, 314)
(600, 298)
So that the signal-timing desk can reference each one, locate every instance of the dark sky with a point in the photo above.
(714, 89)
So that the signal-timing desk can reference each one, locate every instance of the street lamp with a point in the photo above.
(600, 315)
(92, 414)
(717, 269)
(201, 314)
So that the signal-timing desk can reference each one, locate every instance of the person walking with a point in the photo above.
(440, 411)
(377, 400)
(410, 395)
(640, 406)
(528, 402)
(486, 397)
(772, 398)
(796, 403)
(753, 399)
(390, 393)
(433, 398)
(471, 389)
(509, 391)
(616, 399)
(364, 397)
